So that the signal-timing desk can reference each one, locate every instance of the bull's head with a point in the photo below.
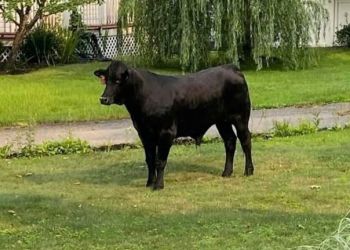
(115, 78)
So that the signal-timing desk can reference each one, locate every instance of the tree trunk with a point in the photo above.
(16, 45)
(21, 33)
(247, 43)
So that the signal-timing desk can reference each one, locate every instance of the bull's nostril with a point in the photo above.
(103, 100)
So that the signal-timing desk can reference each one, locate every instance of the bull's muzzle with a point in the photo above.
(105, 100)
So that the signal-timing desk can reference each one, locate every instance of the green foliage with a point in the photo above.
(45, 7)
(343, 36)
(69, 43)
(285, 129)
(42, 46)
(257, 30)
(65, 147)
(340, 239)
(76, 21)
(50, 45)
(5, 151)
(26, 14)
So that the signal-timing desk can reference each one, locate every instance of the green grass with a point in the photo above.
(71, 92)
(98, 200)
(56, 94)
(327, 83)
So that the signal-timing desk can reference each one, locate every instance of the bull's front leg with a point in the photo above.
(150, 152)
(164, 145)
(149, 145)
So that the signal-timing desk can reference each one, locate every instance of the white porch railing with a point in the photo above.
(100, 15)
(93, 15)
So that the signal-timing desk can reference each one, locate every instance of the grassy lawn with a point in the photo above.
(57, 94)
(329, 82)
(71, 92)
(98, 201)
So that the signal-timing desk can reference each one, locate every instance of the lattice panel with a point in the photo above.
(112, 46)
(108, 45)
(128, 46)
(4, 55)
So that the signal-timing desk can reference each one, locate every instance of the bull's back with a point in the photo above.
(207, 89)
(210, 97)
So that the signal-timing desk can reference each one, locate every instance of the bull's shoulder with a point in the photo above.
(148, 77)
(233, 75)
(228, 73)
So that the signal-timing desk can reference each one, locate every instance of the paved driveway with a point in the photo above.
(122, 131)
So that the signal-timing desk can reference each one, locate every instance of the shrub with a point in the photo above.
(5, 151)
(67, 146)
(69, 45)
(42, 46)
(284, 129)
(343, 36)
(51, 45)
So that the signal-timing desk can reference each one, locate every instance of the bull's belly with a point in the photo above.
(194, 128)
(196, 122)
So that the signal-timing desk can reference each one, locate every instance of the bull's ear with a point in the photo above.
(100, 73)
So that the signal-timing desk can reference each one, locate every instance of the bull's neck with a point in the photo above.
(134, 100)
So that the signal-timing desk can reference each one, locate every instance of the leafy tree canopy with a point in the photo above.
(26, 13)
(239, 30)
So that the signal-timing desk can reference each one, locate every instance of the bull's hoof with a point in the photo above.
(149, 184)
(227, 173)
(158, 187)
(249, 172)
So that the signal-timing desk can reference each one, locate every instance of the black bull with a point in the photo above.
(163, 108)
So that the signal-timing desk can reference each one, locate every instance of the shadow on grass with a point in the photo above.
(123, 174)
(51, 222)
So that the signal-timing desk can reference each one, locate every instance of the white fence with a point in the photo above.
(4, 55)
(113, 46)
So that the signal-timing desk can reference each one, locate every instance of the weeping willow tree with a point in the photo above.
(238, 30)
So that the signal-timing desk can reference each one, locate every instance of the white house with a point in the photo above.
(339, 15)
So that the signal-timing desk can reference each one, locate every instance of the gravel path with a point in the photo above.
(122, 132)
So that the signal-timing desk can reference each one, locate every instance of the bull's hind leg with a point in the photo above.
(229, 138)
(244, 136)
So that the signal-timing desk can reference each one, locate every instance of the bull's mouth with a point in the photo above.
(109, 101)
